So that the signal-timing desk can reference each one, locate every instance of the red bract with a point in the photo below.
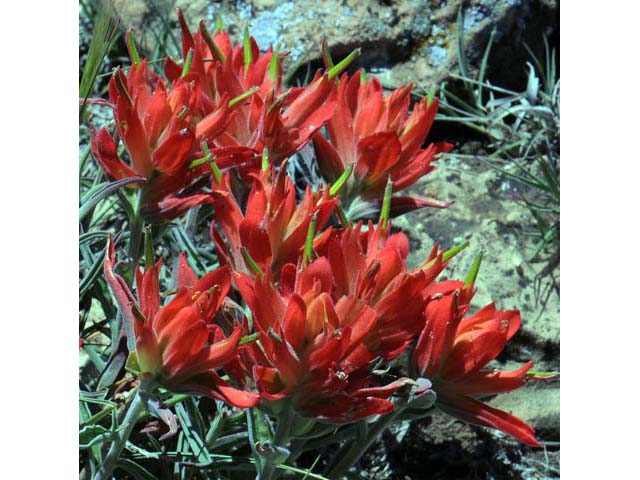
(282, 121)
(313, 350)
(376, 136)
(163, 129)
(273, 228)
(452, 351)
(371, 265)
(178, 345)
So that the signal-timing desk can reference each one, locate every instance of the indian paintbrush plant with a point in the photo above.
(306, 328)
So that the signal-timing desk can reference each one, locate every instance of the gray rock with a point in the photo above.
(402, 42)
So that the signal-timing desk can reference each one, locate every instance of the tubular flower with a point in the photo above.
(371, 265)
(375, 135)
(163, 129)
(282, 121)
(178, 345)
(453, 351)
(274, 228)
(313, 350)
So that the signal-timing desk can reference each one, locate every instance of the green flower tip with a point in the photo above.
(386, 204)
(131, 46)
(340, 67)
(336, 187)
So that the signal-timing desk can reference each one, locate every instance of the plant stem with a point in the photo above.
(135, 239)
(358, 449)
(135, 408)
(280, 439)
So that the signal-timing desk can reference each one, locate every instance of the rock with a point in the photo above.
(402, 42)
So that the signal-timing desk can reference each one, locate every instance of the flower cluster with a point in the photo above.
(323, 305)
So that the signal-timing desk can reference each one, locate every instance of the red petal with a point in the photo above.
(106, 154)
(377, 154)
(185, 276)
(329, 162)
(171, 156)
(474, 411)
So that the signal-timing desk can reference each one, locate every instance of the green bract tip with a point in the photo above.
(216, 171)
(473, 273)
(386, 204)
(131, 46)
(431, 95)
(452, 252)
(274, 66)
(344, 219)
(122, 87)
(207, 156)
(187, 64)
(363, 76)
(337, 69)
(248, 55)
(336, 187)
(448, 254)
(265, 159)
(249, 338)
(326, 55)
(242, 96)
(211, 44)
(308, 245)
(251, 262)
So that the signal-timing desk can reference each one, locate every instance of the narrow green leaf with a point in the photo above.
(88, 237)
(265, 159)
(102, 192)
(195, 441)
(105, 33)
(92, 274)
(95, 434)
(135, 470)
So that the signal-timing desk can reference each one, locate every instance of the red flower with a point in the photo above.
(452, 351)
(273, 228)
(371, 265)
(313, 349)
(282, 121)
(178, 345)
(376, 136)
(163, 129)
